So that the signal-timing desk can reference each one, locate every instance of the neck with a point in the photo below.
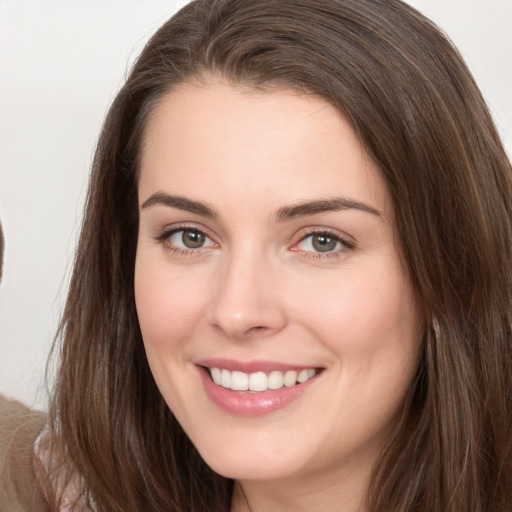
(337, 493)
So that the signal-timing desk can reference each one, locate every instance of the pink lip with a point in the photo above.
(249, 404)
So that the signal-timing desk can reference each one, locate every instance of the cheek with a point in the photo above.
(363, 314)
(371, 326)
(168, 306)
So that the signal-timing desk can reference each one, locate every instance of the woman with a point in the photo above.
(292, 289)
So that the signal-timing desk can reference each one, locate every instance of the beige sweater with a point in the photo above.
(19, 426)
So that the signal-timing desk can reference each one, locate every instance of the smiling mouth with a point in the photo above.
(260, 381)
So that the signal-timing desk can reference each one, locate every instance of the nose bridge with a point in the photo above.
(246, 302)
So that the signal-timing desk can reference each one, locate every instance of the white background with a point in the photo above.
(61, 63)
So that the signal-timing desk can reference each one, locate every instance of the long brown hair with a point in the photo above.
(420, 115)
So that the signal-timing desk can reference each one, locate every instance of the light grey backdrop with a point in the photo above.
(61, 63)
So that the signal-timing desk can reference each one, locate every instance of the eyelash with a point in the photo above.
(164, 237)
(347, 244)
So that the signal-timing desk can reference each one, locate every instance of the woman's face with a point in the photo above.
(278, 321)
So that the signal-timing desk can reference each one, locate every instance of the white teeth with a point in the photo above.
(216, 375)
(225, 379)
(275, 380)
(305, 375)
(290, 378)
(239, 381)
(259, 381)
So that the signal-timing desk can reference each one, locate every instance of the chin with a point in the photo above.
(249, 465)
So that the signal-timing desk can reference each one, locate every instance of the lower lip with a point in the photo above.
(246, 403)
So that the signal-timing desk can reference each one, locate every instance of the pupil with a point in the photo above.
(192, 239)
(323, 243)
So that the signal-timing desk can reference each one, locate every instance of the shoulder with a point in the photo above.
(19, 427)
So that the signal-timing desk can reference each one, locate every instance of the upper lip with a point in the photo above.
(251, 366)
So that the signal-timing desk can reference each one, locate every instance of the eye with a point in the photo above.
(320, 243)
(189, 239)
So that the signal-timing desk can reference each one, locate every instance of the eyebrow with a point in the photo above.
(325, 205)
(284, 213)
(181, 203)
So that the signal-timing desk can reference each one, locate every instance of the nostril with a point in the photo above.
(257, 329)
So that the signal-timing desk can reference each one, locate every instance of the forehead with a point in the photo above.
(214, 137)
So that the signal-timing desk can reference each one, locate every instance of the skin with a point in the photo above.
(258, 289)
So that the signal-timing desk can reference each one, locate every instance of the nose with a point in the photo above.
(247, 301)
